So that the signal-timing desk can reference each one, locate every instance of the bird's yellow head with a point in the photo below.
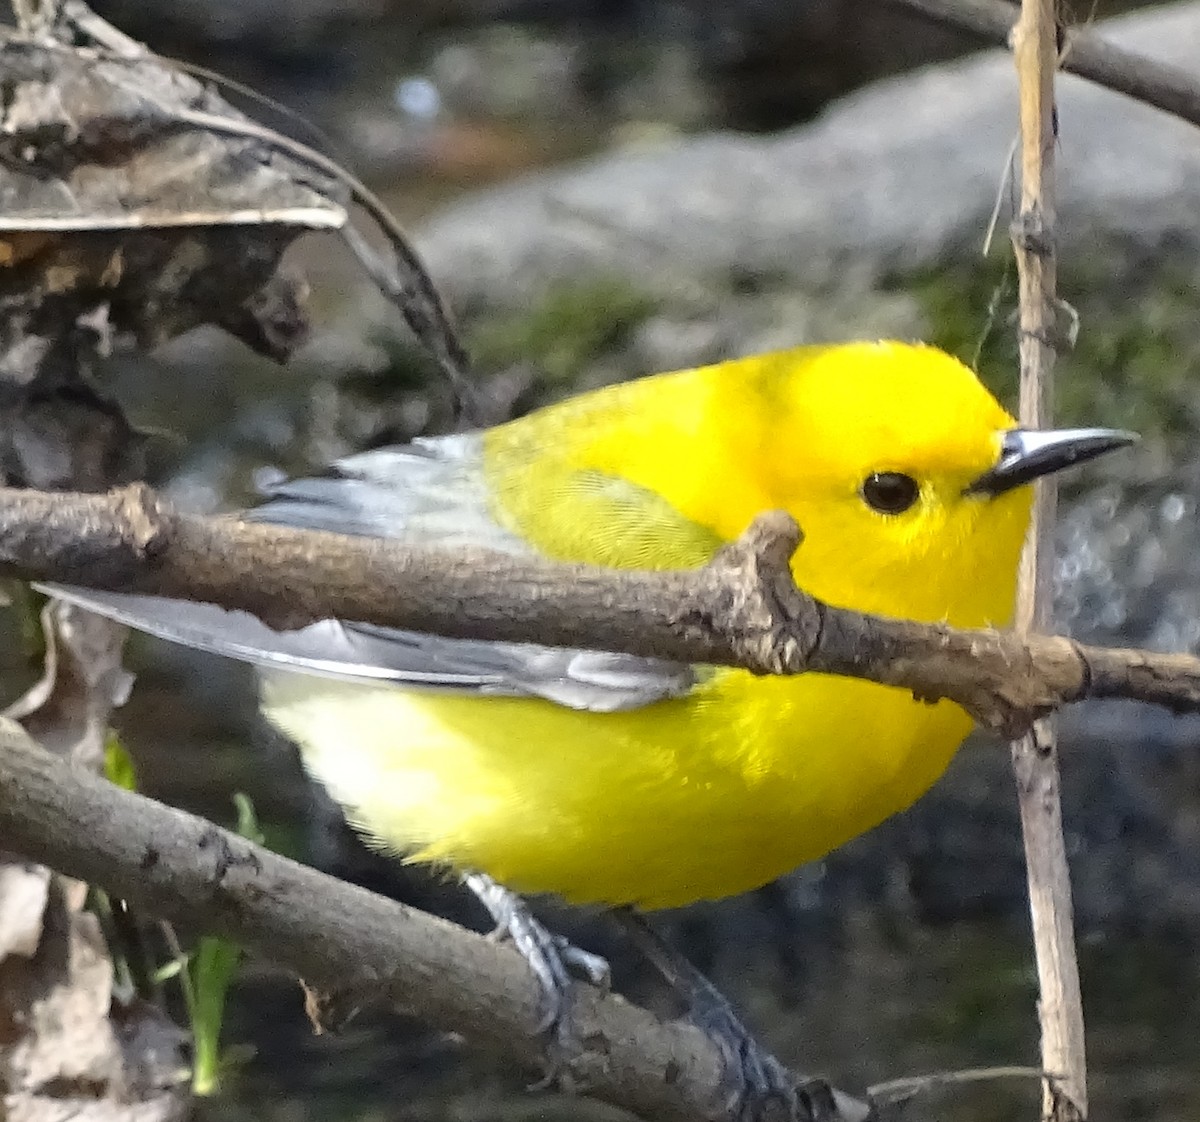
(873, 448)
(905, 474)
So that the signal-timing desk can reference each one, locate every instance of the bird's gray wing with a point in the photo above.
(431, 491)
(427, 492)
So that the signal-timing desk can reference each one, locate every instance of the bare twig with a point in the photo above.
(898, 1092)
(343, 940)
(742, 610)
(1159, 84)
(1035, 755)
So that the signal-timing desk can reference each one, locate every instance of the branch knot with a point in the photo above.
(771, 625)
(1031, 232)
(146, 524)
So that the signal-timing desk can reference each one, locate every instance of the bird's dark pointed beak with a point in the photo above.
(1026, 454)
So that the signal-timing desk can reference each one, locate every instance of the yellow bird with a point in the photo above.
(621, 780)
(607, 780)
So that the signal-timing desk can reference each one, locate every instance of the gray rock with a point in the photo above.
(898, 176)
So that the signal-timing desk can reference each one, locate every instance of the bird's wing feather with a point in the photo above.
(429, 492)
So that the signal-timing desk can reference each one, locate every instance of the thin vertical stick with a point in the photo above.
(1035, 757)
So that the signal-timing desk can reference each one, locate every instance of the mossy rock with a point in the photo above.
(1136, 348)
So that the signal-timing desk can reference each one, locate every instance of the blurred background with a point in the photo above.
(605, 189)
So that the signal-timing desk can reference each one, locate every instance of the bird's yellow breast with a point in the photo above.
(695, 798)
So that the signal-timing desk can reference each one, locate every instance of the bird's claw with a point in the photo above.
(760, 1088)
(552, 958)
(592, 967)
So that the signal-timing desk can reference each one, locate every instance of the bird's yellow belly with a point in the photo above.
(690, 799)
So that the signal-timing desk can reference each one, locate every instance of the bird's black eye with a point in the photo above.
(890, 492)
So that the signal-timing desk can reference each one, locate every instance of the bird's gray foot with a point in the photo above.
(760, 1088)
(552, 958)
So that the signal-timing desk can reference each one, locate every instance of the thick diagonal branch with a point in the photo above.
(741, 610)
(347, 944)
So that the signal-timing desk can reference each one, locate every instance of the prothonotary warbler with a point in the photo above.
(621, 780)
